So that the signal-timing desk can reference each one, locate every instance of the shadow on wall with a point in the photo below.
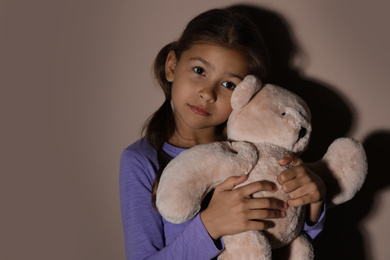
(344, 236)
(333, 117)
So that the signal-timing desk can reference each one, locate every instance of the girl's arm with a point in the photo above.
(142, 224)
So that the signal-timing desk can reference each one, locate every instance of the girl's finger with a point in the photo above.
(290, 159)
(258, 225)
(310, 188)
(290, 174)
(257, 186)
(266, 203)
(261, 214)
(231, 182)
(299, 201)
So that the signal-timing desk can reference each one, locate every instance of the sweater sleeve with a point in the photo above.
(312, 231)
(143, 226)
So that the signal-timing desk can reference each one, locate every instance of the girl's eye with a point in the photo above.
(230, 85)
(199, 70)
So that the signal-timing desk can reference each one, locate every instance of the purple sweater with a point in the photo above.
(147, 234)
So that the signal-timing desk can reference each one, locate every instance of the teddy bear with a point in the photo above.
(266, 123)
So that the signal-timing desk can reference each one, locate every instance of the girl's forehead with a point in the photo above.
(205, 47)
(214, 53)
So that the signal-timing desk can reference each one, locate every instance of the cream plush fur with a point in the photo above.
(265, 124)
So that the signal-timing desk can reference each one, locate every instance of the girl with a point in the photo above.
(198, 74)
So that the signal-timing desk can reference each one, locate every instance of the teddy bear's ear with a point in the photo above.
(245, 91)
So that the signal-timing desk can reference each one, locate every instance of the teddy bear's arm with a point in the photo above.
(343, 170)
(190, 176)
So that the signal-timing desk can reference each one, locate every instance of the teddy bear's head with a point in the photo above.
(274, 115)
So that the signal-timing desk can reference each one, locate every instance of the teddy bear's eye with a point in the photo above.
(283, 114)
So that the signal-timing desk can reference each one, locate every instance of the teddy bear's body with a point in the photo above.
(263, 127)
(267, 168)
(284, 230)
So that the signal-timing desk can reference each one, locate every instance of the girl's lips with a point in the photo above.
(199, 110)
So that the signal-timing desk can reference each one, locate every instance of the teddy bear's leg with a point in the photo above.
(251, 245)
(299, 249)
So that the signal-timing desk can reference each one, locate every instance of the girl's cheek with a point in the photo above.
(229, 104)
(228, 109)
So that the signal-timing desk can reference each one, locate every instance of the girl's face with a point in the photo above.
(202, 84)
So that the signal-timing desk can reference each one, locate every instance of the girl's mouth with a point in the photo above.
(199, 110)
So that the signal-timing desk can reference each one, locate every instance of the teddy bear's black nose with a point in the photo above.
(302, 132)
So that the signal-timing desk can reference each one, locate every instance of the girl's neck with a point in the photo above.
(202, 137)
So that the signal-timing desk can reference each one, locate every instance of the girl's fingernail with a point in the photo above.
(285, 205)
(283, 213)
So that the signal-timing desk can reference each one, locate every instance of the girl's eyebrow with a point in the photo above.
(235, 76)
(208, 64)
(205, 62)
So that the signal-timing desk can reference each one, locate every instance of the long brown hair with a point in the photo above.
(221, 27)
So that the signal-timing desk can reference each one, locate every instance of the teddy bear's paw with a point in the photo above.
(176, 215)
(347, 161)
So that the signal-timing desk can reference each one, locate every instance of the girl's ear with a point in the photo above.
(170, 65)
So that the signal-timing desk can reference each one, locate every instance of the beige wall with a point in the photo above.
(76, 87)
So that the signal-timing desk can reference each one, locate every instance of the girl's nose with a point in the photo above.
(208, 94)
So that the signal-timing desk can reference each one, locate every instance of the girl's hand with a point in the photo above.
(302, 185)
(234, 211)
